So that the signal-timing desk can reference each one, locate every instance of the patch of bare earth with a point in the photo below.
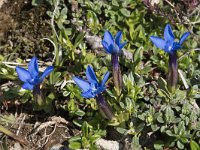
(22, 29)
(36, 130)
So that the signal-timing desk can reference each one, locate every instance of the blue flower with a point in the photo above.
(92, 87)
(31, 77)
(168, 44)
(111, 45)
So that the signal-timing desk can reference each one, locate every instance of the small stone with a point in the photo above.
(16, 147)
(107, 145)
(59, 147)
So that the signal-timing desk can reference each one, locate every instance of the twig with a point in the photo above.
(54, 45)
(12, 135)
(20, 125)
(183, 79)
(187, 53)
(171, 5)
(48, 135)
(55, 120)
(53, 16)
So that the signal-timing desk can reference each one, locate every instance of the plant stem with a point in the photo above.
(117, 78)
(38, 95)
(105, 109)
(173, 72)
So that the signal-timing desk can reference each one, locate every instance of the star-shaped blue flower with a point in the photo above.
(113, 45)
(92, 87)
(168, 44)
(31, 77)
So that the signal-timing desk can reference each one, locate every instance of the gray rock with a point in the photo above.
(59, 147)
(103, 144)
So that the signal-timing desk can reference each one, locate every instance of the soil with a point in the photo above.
(37, 130)
(22, 28)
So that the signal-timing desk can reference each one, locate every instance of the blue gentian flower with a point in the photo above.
(92, 87)
(168, 44)
(113, 45)
(31, 77)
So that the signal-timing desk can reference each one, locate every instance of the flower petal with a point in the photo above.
(160, 43)
(122, 45)
(91, 75)
(82, 84)
(88, 94)
(108, 38)
(33, 67)
(100, 89)
(23, 74)
(184, 37)
(107, 48)
(105, 78)
(168, 33)
(46, 72)
(27, 86)
(118, 37)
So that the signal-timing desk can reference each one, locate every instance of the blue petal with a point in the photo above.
(184, 37)
(88, 94)
(105, 78)
(160, 43)
(23, 74)
(122, 45)
(91, 75)
(168, 33)
(106, 47)
(82, 84)
(108, 38)
(27, 86)
(176, 46)
(100, 89)
(116, 49)
(36, 81)
(33, 67)
(46, 72)
(118, 37)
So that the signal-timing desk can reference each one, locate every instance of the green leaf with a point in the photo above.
(80, 113)
(79, 39)
(180, 144)
(115, 3)
(125, 12)
(121, 130)
(159, 145)
(74, 145)
(77, 123)
(160, 118)
(168, 132)
(194, 145)
(94, 138)
(54, 77)
(85, 129)
(36, 2)
(85, 142)
(74, 139)
(162, 84)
